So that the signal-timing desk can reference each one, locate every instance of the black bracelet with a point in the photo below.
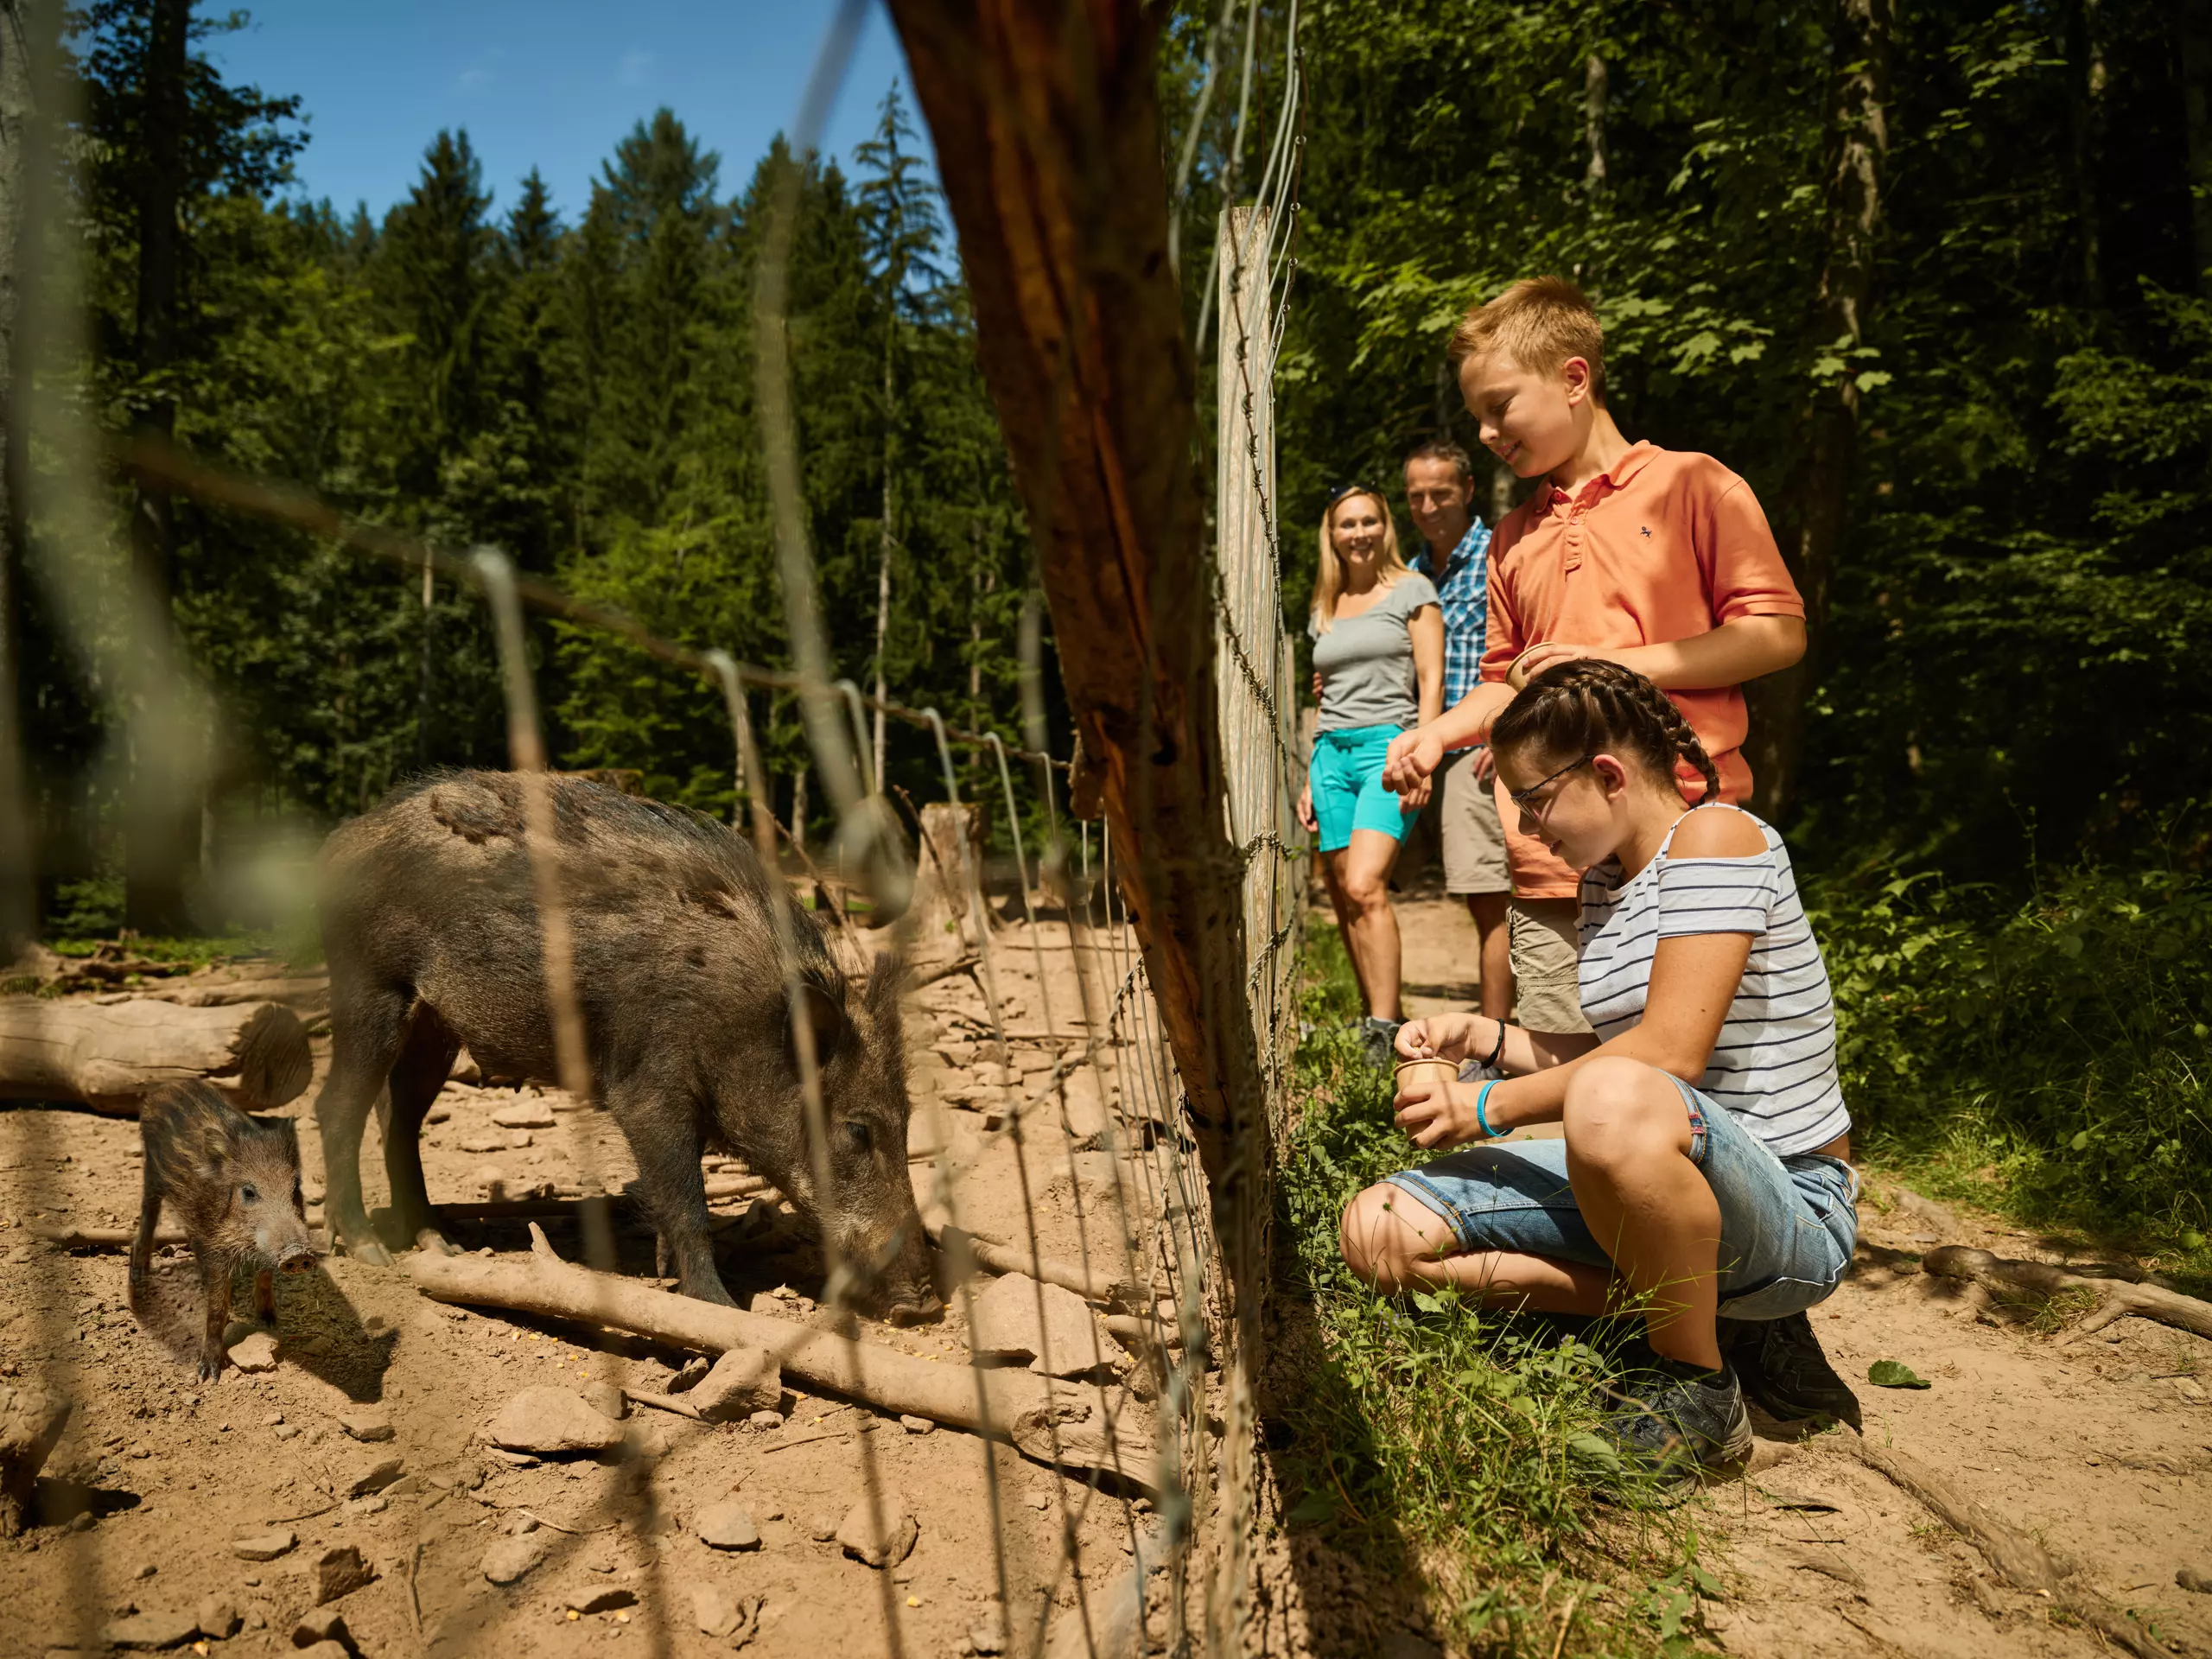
(1500, 1049)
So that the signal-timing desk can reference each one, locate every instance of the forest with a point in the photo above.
(1935, 276)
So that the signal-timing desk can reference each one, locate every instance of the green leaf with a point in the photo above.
(1314, 1508)
(1590, 1448)
(1894, 1374)
(2081, 1140)
(1426, 1303)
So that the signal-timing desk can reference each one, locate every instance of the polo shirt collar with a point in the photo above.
(1633, 460)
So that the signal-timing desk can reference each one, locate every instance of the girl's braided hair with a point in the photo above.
(1589, 706)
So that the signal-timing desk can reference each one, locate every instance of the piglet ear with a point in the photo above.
(885, 979)
(824, 1017)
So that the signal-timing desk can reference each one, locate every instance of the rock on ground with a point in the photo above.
(319, 1625)
(596, 1596)
(743, 1381)
(729, 1525)
(340, 1572)
(373, 1476)
(368, 1423)
(217, 1618)
(552, 1420)
(255, 1353)
(510, 1559)
(881, 1534)
(524, 1114)
(713, 1611)
(262, 1546)
(1007, 1328)
(150, 1630)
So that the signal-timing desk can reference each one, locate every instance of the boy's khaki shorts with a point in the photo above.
(1547, 994)
(1474, 838)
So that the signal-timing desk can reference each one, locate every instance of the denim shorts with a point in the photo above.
(1788, 1225)
(1349, 794)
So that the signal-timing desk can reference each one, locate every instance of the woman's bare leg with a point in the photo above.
(1332, 877)
(1373, 933)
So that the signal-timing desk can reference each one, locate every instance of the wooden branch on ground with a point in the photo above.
(2117, 1297)
(1077, 1427)
(111, 1056)
(1117, 1294)
(2020, 1560)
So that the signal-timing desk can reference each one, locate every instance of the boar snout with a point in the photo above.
(296, 1258)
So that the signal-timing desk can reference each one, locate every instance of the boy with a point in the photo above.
(1441, 494)
(1658, 560)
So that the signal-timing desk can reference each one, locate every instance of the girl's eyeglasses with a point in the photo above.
(1524, 798)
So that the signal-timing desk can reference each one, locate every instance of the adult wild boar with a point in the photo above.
(431, 931)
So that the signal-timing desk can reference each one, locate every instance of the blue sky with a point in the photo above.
(547, 83)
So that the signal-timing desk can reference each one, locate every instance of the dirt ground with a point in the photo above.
(158, 1477)
(2098, 1448)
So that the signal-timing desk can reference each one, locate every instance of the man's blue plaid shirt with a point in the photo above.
(1463, 590)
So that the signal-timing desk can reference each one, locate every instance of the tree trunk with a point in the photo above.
(1046, 123)
(1857, 145)
(2194, 19)
(2085, 53)
(18, 877)
(158, 844)
(1593, 123)
(948, 870)
(111, 1055)
(889, 536)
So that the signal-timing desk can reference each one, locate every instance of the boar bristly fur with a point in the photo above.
(234, 1182)
(430, 925)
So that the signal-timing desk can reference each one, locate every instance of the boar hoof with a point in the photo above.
(369, 1250)
(914, 1312)
(211, 1364)
(431, 1239)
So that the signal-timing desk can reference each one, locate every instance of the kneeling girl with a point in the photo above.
(1702, 1171)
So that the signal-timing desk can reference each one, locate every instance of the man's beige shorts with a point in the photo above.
(1546, 995)
(1474, 839)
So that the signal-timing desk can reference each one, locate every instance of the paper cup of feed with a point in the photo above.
(1434, 1073)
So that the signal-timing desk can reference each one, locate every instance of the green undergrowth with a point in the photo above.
(2049, 1060)
(1436, 1442)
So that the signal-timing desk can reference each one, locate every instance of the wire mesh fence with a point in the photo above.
(943, 1179)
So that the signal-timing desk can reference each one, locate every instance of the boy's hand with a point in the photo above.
(1534, 660)
(1437, 1114)
(1414, 757)
(1307, 820)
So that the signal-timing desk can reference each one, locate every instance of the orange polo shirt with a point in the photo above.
(1667, 545)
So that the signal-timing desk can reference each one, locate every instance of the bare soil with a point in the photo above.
(161, 1474)
(2098, 1449)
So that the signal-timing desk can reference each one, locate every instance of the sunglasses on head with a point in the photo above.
(1344, 490)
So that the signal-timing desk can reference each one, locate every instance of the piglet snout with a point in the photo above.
(298, 1259)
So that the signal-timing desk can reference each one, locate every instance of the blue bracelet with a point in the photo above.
(1482, 1095)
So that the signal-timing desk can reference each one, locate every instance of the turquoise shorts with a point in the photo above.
(1346, 773)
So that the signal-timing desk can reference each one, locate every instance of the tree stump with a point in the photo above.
(111, 1056)
(31, 1420)
(949, 876)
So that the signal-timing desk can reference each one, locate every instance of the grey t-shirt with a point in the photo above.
(1366, 662)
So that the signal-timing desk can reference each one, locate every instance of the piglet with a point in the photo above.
(235, 1181)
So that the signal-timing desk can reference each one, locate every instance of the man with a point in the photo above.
(1441, 494)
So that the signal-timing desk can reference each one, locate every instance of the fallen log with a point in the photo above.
(110, 1056)
(2117, 1297)
(313, 994)
(1118, 1294)
(1078, 1428)
(2020, 1560)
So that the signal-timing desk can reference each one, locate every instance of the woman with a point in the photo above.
(1703, 1171)
(1378, 655)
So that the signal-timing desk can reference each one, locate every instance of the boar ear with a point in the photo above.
(885, 979)
(825, 1018)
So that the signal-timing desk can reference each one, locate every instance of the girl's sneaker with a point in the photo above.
(1378, 1041)
(1672, 1421)
(1784, 1371)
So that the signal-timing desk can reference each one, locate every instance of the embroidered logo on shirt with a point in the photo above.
(1646, 529)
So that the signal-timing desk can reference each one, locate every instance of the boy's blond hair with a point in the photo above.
(1540, 322)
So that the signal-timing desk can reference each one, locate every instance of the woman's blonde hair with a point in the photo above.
(1329, 575)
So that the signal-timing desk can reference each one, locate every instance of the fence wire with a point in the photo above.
(1105, 1401)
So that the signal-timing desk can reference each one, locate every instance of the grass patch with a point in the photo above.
(2051, 1061)
(1436, 1441)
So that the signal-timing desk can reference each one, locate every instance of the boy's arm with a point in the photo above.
(1414, 755)
(1731, 654)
